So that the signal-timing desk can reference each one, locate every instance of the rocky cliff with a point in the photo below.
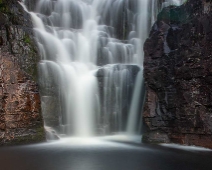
(20, 108)
(178, 75)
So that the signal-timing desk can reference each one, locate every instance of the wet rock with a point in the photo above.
(178, 60)
(20, 106)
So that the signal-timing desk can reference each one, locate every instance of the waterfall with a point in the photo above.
(172, 2)
(91, 63)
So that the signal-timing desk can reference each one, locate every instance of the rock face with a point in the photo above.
(20, 108)
(178, 74)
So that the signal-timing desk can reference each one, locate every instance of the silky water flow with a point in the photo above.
(91, 67)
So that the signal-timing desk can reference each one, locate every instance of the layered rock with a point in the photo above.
(178, 75)
(20, 107)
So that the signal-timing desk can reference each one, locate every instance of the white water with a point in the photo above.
(173, 2)
(143, 29)
(77, 38)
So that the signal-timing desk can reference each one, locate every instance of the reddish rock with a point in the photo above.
(20, 106)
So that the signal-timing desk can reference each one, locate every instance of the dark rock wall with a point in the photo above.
(178, 75)
(20, 107)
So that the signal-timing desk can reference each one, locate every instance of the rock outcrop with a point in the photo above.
(20, 107)
(178, 75)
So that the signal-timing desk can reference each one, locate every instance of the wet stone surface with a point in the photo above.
(177, 70)
(20, 107)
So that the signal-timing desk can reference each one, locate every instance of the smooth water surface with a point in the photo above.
(96, 154)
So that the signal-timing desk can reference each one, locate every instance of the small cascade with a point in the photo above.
(172, 2)
(91, 64)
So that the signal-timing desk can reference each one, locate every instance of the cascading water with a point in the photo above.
(91, 65)
(173, 2)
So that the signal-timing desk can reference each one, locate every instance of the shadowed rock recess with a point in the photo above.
(20, 109)
(178, 74)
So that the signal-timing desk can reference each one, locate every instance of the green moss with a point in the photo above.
(174, 14)
(27, 39)
(40, 134)
(32, 56)
(4, 8)
(38, 137)
(185, 1)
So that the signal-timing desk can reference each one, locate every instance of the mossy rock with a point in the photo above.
(38, 137)
(174, 14)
